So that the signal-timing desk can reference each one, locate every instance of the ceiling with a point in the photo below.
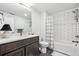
(15, 9)
(54, 7)
(49, 7)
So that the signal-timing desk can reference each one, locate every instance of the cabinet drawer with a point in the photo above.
(10, 46)
(19, 52)
(7, 47)
(34, 39)
(30, 40)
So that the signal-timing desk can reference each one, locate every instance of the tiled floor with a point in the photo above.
(49, 51)
(57, 54)
(52, 53)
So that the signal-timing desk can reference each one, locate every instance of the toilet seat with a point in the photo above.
(44, 44)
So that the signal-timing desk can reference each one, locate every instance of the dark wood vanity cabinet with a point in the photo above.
(32, 49)
(24, 47)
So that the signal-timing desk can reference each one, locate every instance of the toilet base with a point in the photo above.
(44, 50)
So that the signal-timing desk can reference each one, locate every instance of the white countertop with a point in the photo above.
(15, 38)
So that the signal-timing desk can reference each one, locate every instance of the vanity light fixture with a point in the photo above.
(26, 5)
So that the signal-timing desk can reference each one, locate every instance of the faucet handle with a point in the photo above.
(77, 36)
(75, 41)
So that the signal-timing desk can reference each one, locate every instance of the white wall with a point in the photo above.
(43, 22)
(36, 22)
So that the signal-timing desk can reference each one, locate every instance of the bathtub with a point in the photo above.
(65, 47)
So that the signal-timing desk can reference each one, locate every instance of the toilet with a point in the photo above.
(43, 46)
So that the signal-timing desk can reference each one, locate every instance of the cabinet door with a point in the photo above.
(18, 52)
(32, 49)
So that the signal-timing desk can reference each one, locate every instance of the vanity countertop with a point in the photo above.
(15, 38)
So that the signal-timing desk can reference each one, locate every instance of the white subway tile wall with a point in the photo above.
(61, 26)
(64, 26)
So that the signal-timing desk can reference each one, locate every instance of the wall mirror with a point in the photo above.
(17, 15)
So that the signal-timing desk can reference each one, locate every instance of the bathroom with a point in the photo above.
(55, 25)
(59, 28)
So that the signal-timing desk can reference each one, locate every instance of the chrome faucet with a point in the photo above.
(75, 41)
